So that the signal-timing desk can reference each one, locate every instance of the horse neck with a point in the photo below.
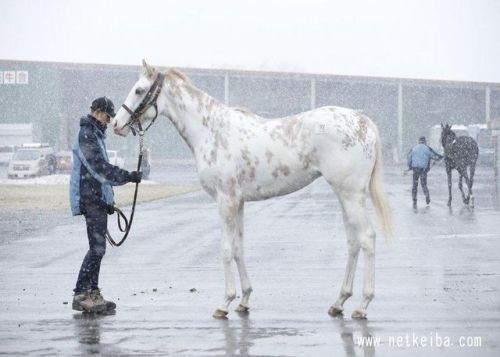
(190, 110)
(447, 141)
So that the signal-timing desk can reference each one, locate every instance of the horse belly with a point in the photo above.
(266, 186)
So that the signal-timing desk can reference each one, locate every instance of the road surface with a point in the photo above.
(437, 281)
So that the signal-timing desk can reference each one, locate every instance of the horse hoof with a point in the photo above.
(472, 202)
(335, 311)
(359, 314)
(242, 309)
(220, 314)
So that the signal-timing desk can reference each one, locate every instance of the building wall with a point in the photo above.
(58, 94)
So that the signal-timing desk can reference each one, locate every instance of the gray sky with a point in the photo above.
(432, 39)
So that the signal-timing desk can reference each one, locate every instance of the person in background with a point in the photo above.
(419, 161)
(91, 195)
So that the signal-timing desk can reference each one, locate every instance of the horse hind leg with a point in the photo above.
(471, 183)
(360, 235)
(469, 186)
(460, 186)
(448, 173)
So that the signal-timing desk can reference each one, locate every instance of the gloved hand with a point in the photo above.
(110, 209)
(135, 176)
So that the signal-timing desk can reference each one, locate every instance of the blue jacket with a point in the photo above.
(92, 175)
(420, 156)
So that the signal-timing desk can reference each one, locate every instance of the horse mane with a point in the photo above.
(243, 110)
(175, 73)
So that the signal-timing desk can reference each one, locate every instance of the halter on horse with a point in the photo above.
(460, 153)
(243, 157)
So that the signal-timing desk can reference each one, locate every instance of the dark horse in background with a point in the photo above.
(459, 153)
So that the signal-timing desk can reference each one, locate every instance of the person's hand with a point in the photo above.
(110, 209)
(135, 176)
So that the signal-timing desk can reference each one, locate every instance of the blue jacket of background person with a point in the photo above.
(420, 156)
(92, 176)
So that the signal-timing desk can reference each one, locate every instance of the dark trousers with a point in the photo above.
(422, 175)
(96, 218)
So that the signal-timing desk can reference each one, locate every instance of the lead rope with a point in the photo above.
(119, 214)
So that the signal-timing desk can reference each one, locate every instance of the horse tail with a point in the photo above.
(379, 198)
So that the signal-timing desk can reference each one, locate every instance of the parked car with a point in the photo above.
(6, 153)
(486, 143)
(114, 159)
(32, 160)
(64, 161)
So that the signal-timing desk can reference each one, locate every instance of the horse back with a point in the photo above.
(464, 152)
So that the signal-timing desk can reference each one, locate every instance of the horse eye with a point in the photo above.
(139, 91)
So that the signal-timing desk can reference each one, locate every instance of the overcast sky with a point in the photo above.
(432, 39)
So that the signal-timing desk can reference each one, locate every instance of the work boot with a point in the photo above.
(84, 302)
(95, 294)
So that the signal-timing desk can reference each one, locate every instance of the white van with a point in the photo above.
(6, 153)
(32, 160)
(115, 159)
(486, 143)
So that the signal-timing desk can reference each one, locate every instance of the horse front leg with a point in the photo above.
(229, 207)
(239, 257)
(448, 173)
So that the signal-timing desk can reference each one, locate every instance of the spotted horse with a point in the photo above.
(241, 157)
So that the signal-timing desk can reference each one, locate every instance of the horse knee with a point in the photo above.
(227, 254)
(368, 242)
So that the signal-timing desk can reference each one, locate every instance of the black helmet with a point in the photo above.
(105, 105)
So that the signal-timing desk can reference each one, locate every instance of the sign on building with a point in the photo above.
(9, 77)
(22, 77)
(14, 77)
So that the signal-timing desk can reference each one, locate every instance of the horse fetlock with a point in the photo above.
(230, 296)
(242, 308)
(344, 294)
(247, 291)
(368, 296)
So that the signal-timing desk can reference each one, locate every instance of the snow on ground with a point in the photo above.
(59, 179)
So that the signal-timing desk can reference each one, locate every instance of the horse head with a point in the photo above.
(142, 102)
(448, 136)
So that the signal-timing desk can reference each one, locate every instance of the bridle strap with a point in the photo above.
(147, 102)
(119, 214)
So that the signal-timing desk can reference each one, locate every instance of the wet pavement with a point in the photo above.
(437, 280)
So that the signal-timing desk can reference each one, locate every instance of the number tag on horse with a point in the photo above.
(321, 128)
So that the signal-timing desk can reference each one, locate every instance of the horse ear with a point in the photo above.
(148, 70)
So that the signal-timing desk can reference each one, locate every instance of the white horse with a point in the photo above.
(243, 157)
